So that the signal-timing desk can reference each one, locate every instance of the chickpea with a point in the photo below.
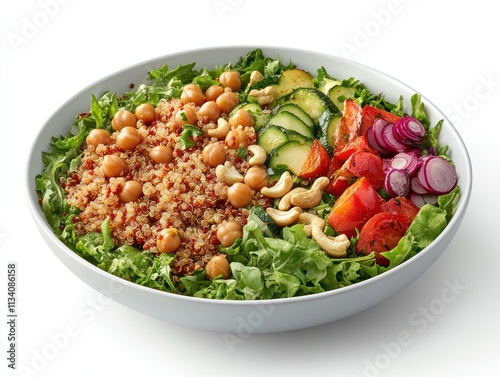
(236, 139)
(239, 195)
(161, 154)
(216, 266)
(228, 232)
(210, 110)
(214, 154)
(231, 80)
(227, 101)
(123, 118)
(213, 92)
(146, 113)
(192, 93)
(168, 241)
(186, 115)
(130, 192)
(128, 138)
(98, 136)
(256, 178)
(113, 165)
(241, 117)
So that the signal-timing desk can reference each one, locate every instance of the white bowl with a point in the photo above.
(249, 316)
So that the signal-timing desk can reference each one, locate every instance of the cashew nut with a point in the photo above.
(263, 96)
(255, 77)
(310, 220)
(284, 218)
(259, 155)
(334, 246)
(284, 185)
(285, 203)
(311, 197)
(222, 129)
(227, 173)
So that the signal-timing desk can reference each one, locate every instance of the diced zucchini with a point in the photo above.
(259, 116)
(292, 79)
(271, 137)
(289, 121)
(311, 100)
(297, 111)
(338, 94)
(290, 156)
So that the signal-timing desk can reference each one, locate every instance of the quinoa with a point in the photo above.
(184, 194)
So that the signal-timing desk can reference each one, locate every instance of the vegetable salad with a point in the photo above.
(304, 182)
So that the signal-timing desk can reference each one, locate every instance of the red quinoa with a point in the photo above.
(184, 194)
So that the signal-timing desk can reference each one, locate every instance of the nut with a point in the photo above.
(311, 197)
(284, 218)
(255, 77)
(284, 185)
(263, 96)
(334, 246)
(227, 173)
(258, 155)
(285, 203)
(310, 220)
(222, 129)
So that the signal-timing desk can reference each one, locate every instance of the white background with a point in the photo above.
(448, 51)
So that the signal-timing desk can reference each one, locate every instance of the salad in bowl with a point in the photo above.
(254, 190)
(250, 180)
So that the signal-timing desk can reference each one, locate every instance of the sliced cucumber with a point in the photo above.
(292, 79)
(290, 156)
(311, 100)
(327, 84)
(289, 121)
(338, 94)
(259, 116)
(327, 137)
(271, 137)
(292, 135)
(297, 111)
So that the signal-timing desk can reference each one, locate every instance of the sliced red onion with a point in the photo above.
(375, 138)
(417, 199)
(407, 161)
(437, 175)
(409, 131)
(417, 187)
(397, 182)
(393, 145)
(370, 137)
(430, 199)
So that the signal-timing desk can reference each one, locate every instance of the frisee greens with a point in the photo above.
(268, 261)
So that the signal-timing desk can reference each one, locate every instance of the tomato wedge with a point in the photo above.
(370, 113)
(401, 205)
(316, 163)
(359, 164)
(358, 203)
(360, 143)
(368, 165)
(350, 126)
(381, 233)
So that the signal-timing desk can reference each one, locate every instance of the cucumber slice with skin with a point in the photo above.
(311, 100)
(259, 116)
(338, 94)
(292, 135)
(271, 137)
(289, 121)
(297, 111)
(290, 156)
